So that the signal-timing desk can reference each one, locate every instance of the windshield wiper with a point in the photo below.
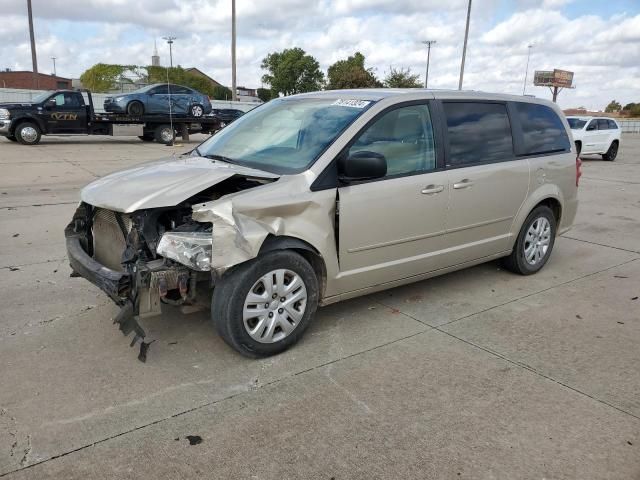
(222, 158)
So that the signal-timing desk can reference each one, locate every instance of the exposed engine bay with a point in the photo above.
(150, 256)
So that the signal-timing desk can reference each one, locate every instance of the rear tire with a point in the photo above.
(28, 133)
(534, 244)
(612, 153)
(578, 148)
(255, 329)
(196, 111)
(164, 134)
(135, 108)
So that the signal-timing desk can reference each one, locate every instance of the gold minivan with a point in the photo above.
(315, 198)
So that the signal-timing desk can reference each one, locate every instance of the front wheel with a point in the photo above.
(135, 108)
(534, 244)
(612, 153)
(28, 133)
(263, 306)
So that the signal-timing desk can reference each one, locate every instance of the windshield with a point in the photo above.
(42, 96)
(576, 123)
(284, 135)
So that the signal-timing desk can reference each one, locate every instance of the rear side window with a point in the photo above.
(478, 133)
(612, 125)
(603, 124)
(542, 129)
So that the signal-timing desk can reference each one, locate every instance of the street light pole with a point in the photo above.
(464, 48)
(55, 74)
(428, 43)
(526, 71)
(234, 95)
(34, 57)
(170, 40)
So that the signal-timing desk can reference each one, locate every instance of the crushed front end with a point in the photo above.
(119, 253)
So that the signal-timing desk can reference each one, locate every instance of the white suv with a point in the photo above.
(599, 136)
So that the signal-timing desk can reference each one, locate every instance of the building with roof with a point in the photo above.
(27, 80)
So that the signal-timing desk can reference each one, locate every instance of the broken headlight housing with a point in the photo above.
(192, 249)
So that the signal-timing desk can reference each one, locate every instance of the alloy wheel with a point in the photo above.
(537, 240)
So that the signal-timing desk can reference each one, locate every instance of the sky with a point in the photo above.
(599, 40)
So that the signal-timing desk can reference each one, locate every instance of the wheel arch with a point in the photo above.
(21, 120)
(548, 195)
(308, 251)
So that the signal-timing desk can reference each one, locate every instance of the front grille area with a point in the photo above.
(108, 239)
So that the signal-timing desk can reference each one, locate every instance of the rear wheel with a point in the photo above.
(534, 244)
(197, 111)
(263, 306)
(612, 153)
(135, 108)
(578, 147)
(164, 134)
(28, 133)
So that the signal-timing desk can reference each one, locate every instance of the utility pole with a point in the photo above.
(170, 40)
(428, 43)
(55, 74)
(234, 95)
(34, 58)
(464, 48)
(526, 71)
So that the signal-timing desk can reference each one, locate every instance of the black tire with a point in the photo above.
(516, 261)
(231, 291)
(612, 153)
(196, 110)
(135, 108)
(11, 138)
(578, 148)
(25, 133)
(164, 134)
(147, 138)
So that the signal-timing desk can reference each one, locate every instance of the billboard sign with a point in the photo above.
(553, 78)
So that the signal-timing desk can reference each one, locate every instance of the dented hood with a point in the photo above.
(163, 183)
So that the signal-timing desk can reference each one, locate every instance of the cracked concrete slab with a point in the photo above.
(435, 408)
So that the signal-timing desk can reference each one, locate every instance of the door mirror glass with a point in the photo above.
(50, 103)
(592, 126)
(362, 165)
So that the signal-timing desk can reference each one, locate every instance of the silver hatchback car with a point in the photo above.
(316, 198)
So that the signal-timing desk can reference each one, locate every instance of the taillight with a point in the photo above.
(578, 169)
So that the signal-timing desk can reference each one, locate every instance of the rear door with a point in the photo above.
(68, 115)
(488, 183)
(393, 228)
(181, 99)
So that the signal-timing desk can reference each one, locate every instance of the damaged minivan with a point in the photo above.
(316, 198)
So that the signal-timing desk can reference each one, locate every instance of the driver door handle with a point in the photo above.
(466, 183)
(431, 189)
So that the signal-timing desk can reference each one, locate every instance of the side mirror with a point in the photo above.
(50, 103)
(591, 127)
(362, 165)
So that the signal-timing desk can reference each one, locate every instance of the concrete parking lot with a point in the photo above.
(478, 374)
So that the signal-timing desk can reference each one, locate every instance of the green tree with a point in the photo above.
(292, 71)
(221, 92)
(103, 77)
(613, 107)
(351, 73)
(401, 78)
(265, 94)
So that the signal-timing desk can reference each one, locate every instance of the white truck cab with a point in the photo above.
(596, 135)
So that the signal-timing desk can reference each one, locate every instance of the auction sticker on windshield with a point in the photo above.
(351, 103)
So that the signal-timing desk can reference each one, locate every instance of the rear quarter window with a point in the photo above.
(612, 125)
(542, 129)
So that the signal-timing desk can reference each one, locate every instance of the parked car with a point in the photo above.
(227, 115)
(157, 98)
(599, 135)
(316, 198)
